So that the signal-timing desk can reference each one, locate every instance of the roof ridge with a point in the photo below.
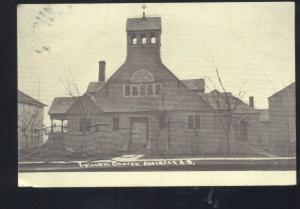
(33, 100)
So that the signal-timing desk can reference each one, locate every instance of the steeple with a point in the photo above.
(143, 38)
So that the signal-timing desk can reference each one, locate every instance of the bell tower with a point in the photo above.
(143, 39)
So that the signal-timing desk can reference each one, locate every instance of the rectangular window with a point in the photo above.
(162, 121)
(126, 90)
(236, 130)
(88, 124)
(157, 89)
(243, 131)
(116, 124)
(191, 121)
(197, 122)
(194, 121)
(134, 90)
(142, 90)
(150, 89)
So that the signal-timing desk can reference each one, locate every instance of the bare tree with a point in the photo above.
(28, 120)
(71, 88)
(226, 114)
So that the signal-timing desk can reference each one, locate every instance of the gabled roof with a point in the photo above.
(217, 100)
(88, 101)
(194, 84)
(26, 99)
(148, 23)
(284, 90)
(61, 105)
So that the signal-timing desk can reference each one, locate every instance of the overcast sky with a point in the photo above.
(251, 44)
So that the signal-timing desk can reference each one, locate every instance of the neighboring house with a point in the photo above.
(30, 121)
(264, 129)
(282, 107)
(159, 112)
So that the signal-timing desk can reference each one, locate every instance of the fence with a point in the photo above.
(100, 141)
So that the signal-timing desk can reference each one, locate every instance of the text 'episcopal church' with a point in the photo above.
(144, 108)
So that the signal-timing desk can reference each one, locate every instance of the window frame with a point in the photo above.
(138, 90)
(126, 85)
(152, 89)
(242, 131)
(116, 123)
(191, 121)
(195, 122)
(153, 38)
(144, 38)
(154, 86)
(145, 89)
(133, 40)
(149, 88)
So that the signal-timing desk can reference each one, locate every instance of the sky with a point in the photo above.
(251, 44)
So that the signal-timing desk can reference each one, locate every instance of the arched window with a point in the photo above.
(153, 40)
(133, 40)
(144, 40)
(142, 76)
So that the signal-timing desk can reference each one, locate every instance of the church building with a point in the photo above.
(145, 108)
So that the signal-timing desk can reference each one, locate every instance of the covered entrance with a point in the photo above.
(138, 134)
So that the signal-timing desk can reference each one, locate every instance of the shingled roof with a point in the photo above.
(94, 87)
(61, 105)
(148, 23)
(26, 99)
(194, 84)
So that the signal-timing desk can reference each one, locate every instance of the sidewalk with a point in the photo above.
(263, 152)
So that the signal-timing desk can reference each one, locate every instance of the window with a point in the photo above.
(127, 90)
(194, 121)
(88, 124)
(144, 40)
(135, 90)
(162, 121)
(150, 89)
(85, 124)
(142, 76)
(197, 122)
(133, 40)
(157, 89)
(190, 121)
(153, 40)
(236, 129)
(142, 90)
(243, 130)
(116, 124)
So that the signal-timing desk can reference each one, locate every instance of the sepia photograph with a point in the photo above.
(156, 94)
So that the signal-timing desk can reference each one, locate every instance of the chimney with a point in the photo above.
(101, 77)
(251, 101)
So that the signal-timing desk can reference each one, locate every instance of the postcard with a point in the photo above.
(156, 94)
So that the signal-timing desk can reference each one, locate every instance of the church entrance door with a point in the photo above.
(138, 134)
